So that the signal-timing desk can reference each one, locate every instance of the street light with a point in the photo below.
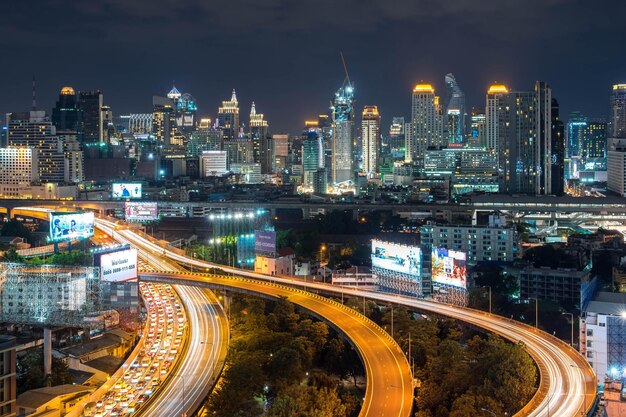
(489, 286)
(572, 316)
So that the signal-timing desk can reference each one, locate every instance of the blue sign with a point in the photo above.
(264, 242)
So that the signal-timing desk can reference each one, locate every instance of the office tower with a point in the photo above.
(455, 111)
(618, 111)
(66, 115)
(204, 138)
(74, 159)
(280, 151)
(557, 150)
(594, 141)
(228, 118)
(164, 125)
(343, 135)
(396, 134)
(90, 127)
(494, 111)
(139, 123)
(616, 166)
(239, 151)
(426, 123)
(35, 130)
(370, 134)
(108, 126)
(478, 129)
(576, 126)
(213, 163)
(186, 113)
(18, 166)
(261, 143)
(543, 138)
(314, 174)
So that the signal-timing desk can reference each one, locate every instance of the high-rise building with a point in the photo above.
(455, 111)
(616, 166)
(164, 125)
(228, 117)
(396, 134)
(239, 152)
(91, 126)
(543, 140)
(370, 135)
(261, 141)
(204, 138)
(213, 163)
(426, 123)
(618, 111)
(495, 110)
(280, 151)
(137, 123)
(313, 162)
(557, 150)
(108, 125)
(8, 387)
(18, 166)
(74, 159)
(343, 135)
(594, 141)
(576, 126)
(186, 113)
(66, 115)
(35, 130)
(478, 129)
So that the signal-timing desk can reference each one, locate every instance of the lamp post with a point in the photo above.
(572, 335)
(489, 286)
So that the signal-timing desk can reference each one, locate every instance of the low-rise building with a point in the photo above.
(8, 388)
(51, 401)
(603, 335)
(562, 285)
(283, 264)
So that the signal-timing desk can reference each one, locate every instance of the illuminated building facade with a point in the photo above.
(343, 135)
(213, 163)
(280, 151)
(66, 115)
(594, 141)
(426, 123)
(618, 111)
(478, 129)
(313, 163)
(370, 135)
(186, 113)
(261, 141)
(204, 138)
(455, 111)
(91, 126)
(18, 166)
(396, 134)
(228, 117)
(557, 152)
(495, 111)
(164, 122)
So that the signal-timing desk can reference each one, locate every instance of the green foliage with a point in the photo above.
(274, 358)
(30, 372)
(11, 255)
(15, 228)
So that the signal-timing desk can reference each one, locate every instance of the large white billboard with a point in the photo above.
(71, 226)
(119, 266)
(449, 267)
(126, 190)
(395, 257)
(140, 211)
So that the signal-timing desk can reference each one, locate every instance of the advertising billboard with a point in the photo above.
(264, 242)
(395, 257)
(126, 190)
(142, 212)
(119, 266)
(71, 226)
(449, 267)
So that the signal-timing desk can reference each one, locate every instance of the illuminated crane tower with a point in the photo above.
(343, 132)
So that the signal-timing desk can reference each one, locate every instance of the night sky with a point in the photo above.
(284, 54)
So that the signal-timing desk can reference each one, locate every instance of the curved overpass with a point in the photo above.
(567, 387)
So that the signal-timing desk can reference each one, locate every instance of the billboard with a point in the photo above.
(71, 226)
(264, 242)
(395, 257)
(126, 190)
(449, 267)
(142, 212)
(119, 266)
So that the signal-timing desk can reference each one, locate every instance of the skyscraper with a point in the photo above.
(576, 126)
(91, 126)
(186, 111)
(314, 174)
(343, 135)
(557, 149)
(228, 117)
(204, 138)
(494, 110)
(66, 115)
(455, 111)
(543, 141)
(594, 141)
(370, 134)
(261, 143)
(396, 134)
(478, 129)
(280, 151)
(618, 111)
(164, 121)
(426, 123)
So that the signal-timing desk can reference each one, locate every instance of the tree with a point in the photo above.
(11, 255)
(15, 228)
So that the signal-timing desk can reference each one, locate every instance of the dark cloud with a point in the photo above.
(284, 53)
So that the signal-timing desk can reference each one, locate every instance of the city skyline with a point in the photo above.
(538, 44)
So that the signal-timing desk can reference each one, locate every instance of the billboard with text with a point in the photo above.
(141, 212)
(119, 266)
(126, 190)
(264, 242)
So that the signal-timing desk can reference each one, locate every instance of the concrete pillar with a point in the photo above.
(47, 352)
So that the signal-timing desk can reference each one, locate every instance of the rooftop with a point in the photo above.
(609, 303)
(37, 397)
